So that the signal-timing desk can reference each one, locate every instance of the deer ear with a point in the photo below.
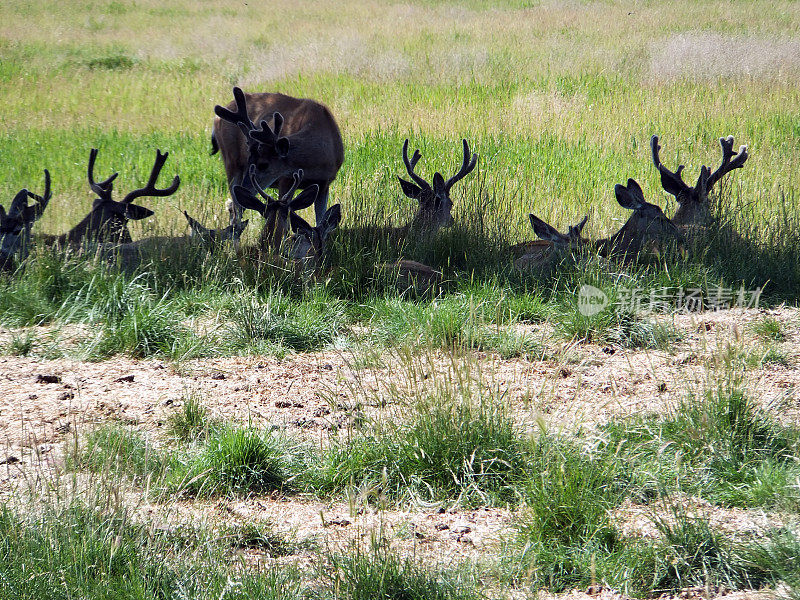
(305, 198)
(543, 230)
(438, 184)
(246, 199)
(196, 227)
(626, 197)
(411, 190)
(134, 212)
(282, 147)
(331, 220)
(298, 223)
(579, 227)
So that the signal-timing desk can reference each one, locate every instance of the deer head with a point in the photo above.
(435, 205)
(275, 212)
(647, 225)
(538, 254)
(15, 226)
(213, 237)
(267, 149)
(571, 239)
(108, 219)
(308, 243)
(693, 206)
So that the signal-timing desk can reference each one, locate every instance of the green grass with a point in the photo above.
(83, 551)
(239, 461)
(448, 448)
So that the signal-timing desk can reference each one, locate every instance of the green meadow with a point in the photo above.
(560, 100)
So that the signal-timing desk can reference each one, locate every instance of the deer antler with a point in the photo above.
(150, 189)
(41, 201)
(257, 187)
(467, 167)
(410, 164)
(103, 188)
(239, 117)
(297, 177)
(671, 181)
(730, 161)
(267, 134)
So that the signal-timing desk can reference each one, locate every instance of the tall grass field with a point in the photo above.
(559, 99)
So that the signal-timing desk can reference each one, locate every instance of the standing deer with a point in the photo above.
(647, 228)
(294, 133)
(108, 219)
(275, 212)
(693, 208)
(550, 246)
(15, 226)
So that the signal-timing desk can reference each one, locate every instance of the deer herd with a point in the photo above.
(274, 141)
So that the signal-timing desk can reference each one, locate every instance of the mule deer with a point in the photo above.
(435, 206)
(275, 212)
(108, 219)
(15, 226)
(129, 256)
(293, 134)
(307, 245)
(551, 244)
(693, 208)
(647, 228)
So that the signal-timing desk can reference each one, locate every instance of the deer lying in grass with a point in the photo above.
(435, 206)
(131, 255)
(15, 225)
(294, 134)
(693, 205)
(645, 230)
(551, 244)
(275, 212)
(108, 219)
(307, 245)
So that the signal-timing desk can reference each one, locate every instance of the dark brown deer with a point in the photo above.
(293, 134)
(435, 206)
(551, 244)
(15, 225)
(693, 207)
(646, 229)
(275, 212)
(108, 219)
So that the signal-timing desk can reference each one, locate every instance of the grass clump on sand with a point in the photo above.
(449, 449)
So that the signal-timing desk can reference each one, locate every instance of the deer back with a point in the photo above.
(278, 134)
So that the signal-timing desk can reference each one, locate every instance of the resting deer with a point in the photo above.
(129, 256)
(293, 134)
(435, 206)
(693, 207)
(550, 246)
(15, 226)
(275, 212)
(648, 227)
(108, 219)
(307, 244)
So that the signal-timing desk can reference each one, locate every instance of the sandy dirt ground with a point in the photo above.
(45, 405)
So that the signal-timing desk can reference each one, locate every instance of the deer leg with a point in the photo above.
(321, 203)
